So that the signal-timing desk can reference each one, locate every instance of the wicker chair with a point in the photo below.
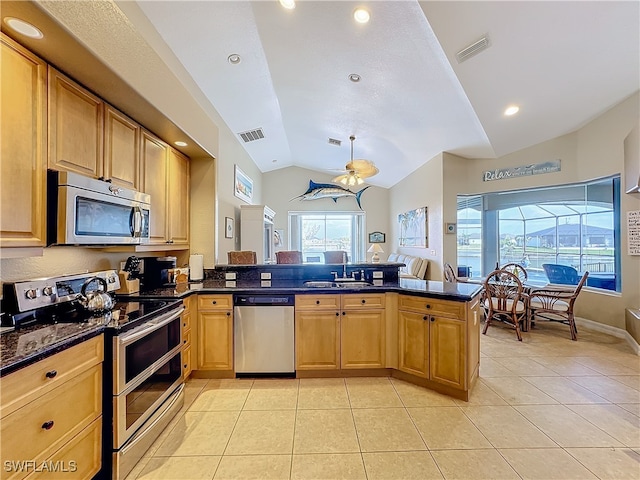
(242, 257)
(505, 301)
(335, 256)
(556, 304)
(517, 269)
(449, 274)
(289, 256)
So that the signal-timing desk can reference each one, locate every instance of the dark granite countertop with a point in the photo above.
(459, 292)
(27, 345)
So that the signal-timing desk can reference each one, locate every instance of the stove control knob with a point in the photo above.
(31, 293)
(47, 291)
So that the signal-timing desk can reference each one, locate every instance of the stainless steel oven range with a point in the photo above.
(142, 372)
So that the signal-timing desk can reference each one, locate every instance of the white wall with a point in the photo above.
(281, 186)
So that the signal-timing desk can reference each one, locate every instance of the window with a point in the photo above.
(316, 232)
(575, 225)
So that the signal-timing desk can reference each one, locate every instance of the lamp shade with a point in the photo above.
(375, 248)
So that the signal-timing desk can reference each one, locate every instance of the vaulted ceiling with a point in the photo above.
(562, 63)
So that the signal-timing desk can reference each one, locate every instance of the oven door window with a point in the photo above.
(144, 352)
(151, 390)
(96, 218)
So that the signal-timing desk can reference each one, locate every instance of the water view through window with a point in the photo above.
(576, 226)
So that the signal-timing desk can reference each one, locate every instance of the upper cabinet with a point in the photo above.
(121, 149)
(76, 119)
(23, 142)
(165, 176)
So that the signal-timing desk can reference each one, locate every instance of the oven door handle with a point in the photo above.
(148, 328)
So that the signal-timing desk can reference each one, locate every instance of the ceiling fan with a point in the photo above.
(356, 170)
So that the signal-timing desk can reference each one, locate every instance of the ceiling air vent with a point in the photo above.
(333, 141)
(473, 49)
(251, 135)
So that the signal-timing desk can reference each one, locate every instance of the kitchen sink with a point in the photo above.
(325, 284)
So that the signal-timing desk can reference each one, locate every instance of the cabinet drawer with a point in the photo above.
(431, 306)
(186, 322)
(315, 302)
(186, 338)
(187, 305)
(80, 457)
(364, 300)
(42, 427)
(186, 361)
(27, 384)
(215, 302)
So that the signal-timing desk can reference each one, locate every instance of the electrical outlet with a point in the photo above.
(433, 252)
(230, 275)
(265, 275)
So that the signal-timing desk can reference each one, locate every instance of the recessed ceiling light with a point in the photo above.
(361, 15)
(288, 4)
(180, 143)
(234, 59)
(511, 110)
(354, 77)
(23, 27)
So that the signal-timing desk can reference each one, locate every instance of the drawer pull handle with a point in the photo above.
(364, 301)
(317, 302)
(48, 425)
(51, 374)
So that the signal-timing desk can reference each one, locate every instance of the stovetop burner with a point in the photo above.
(126, 312)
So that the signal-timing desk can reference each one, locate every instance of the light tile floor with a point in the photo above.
(544, 408)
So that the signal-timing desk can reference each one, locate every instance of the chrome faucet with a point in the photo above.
(344, 264)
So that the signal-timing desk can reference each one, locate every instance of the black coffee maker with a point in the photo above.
(157, 272)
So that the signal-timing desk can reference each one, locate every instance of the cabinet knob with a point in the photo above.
(48, 425)
(185, 366)
(425, 317)
(337, 314)
(214, 302)
(184, 324)
(51, 374)
(428, 306)
(344, 313)
(228, 314)
(317, 302)
(433, 319)
(184, 341)
(364, 301)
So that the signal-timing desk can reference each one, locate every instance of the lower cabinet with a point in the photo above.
(432, 342)
(362, 334)
(215, 332)
(317, 340)
(187, 365)
(52, 415)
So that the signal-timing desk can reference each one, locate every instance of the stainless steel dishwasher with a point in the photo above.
(264, 335)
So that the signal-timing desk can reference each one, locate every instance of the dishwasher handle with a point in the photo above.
(263, 300)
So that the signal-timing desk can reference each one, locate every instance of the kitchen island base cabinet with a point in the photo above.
(414, 343)
(317, 340)
(215, 332)
(363, 339)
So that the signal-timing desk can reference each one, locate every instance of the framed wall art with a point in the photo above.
(377, 237)
(228, 227)
(243, 185)
(413, 228)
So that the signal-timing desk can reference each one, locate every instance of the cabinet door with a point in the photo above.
(447, 355)
(23, 142)
(414, 343)
(121, 149)
(317, 340)
(215, 340)
(75, 127)
(178, 198)
(363, 339)
(154, 182)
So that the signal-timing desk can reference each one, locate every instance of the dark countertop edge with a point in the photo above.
(234, 266)
(170, 293)
(51, 350)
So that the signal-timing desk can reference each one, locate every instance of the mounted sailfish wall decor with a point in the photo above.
(328, 190)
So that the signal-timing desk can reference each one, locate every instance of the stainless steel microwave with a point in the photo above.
(87, 211)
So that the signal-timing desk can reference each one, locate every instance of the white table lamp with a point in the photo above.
(375, 248)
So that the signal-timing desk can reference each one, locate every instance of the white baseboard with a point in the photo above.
(609, 330)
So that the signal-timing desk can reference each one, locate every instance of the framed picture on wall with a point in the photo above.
(243, 185)
(377, 237)
(228, 227)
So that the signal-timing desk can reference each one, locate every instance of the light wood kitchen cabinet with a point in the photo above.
(121, 149)
(187, 364)
(52, 409)
(23, 143)
(165, 176)
(178, 198)
(76, 127)
(317, 320)
(215, 332)
(432, 338)
(362, 331)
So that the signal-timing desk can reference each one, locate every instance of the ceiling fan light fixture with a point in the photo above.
(356, 170)
(361, 15)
